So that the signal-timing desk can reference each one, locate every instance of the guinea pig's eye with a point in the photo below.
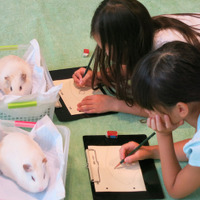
(20, 88)
(32, 178)
(10, 88)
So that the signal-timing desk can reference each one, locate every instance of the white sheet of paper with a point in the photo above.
(125, 178)
(72, 95)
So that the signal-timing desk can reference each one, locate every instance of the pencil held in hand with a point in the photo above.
(87, 68)
(137, 148)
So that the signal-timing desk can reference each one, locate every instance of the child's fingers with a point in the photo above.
(126, 148)
(84, 79)
(77, 77)
(122, 152)
(149, 122)
(168, 123)
(159, 123)
(130, 159)
(153, 124)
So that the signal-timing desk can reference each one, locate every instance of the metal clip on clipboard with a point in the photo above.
(93, 165)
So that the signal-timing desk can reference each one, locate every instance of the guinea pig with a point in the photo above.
(15, 76)
(23, 161)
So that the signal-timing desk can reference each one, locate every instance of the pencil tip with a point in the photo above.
(116, 165)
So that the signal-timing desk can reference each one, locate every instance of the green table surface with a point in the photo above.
(62, 28)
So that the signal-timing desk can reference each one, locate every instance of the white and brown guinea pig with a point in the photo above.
(23, 161)
(15, 76)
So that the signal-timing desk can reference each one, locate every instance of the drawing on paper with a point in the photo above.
(126, 178)
(72, 95)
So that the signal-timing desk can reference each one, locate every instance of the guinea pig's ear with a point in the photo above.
(27, 167)
(23, 77)
(7, 78)
(7, 81)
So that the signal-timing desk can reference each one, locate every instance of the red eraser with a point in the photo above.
(111, 134)
(86, 51)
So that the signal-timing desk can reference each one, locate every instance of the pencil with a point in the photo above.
(88, 67)
(137, 148)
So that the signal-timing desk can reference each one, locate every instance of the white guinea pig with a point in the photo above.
(15, 76)
(22, 160)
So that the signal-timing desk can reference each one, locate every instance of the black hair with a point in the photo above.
(121, 25)
(126, 28)
(168, 75)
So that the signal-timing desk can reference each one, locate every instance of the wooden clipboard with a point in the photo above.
(150, 175)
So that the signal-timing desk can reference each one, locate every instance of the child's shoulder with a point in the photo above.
(168, 35)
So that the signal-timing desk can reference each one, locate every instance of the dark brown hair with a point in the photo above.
(167, 76)
(126, 29)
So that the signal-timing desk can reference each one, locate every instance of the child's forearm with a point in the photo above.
(178, 146)
(169, 163)
(154, 152)
(121, 106)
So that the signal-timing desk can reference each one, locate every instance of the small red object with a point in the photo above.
(85, 52)
(112, 134)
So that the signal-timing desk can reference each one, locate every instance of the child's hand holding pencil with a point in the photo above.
(132, 151)
(79, 76)
(81, 81)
